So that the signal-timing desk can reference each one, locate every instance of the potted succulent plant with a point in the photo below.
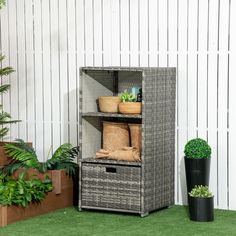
(201, 204)
(197, 163)
(129, 104)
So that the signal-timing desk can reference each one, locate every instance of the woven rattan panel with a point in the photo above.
(109, 186)
(158, 138)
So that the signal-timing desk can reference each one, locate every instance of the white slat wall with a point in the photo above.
(46, 41)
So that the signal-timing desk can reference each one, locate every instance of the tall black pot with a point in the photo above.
(197, 172)
(201, 209)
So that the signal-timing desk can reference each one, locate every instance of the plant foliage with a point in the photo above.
(2, 3)
(200, 191)
(197, 148)
(23, 191)
(127, 97)
(24, 156)
(5, 118)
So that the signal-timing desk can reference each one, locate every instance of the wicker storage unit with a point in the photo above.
(128, 186)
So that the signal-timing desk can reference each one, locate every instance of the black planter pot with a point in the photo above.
(197, 172)
(201, 209)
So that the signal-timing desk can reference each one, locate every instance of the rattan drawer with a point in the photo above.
(111, 186)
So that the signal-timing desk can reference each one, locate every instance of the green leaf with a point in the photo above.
(197, 148)
(22, 175)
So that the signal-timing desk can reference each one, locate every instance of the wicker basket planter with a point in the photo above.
(109, 103)
(60, 197)
(115, 135)
(130, 107)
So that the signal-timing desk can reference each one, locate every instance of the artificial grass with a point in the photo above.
(173, 221)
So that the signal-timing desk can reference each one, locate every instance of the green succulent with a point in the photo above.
(197, 148)
(127, 97)
(200, 191)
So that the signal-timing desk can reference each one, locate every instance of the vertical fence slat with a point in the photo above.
(89, 32)
(182, 102)
(222, 104)
(173, 24)
(134, 33)
(47, 112)
(192, 68)
(72, 72)
(21, 72)
(124, 34)
(212, 96)
(143, 11)
(55, 75)
(153, 27)
(30, 83)
(107, 32)
(202, 69)
(162, 33)
(115, 37)
(232, 110)
(97, 33)
(63, 40)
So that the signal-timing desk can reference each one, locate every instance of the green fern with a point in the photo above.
(21, 152)
(63, 152)
(24, 156)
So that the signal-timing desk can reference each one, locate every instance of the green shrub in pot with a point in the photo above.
(201, 204)
(197, 162)
(197, 148)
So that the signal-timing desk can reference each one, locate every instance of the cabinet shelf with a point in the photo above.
(110, 162)
(115, 115)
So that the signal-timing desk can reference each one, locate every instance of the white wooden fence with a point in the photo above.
(46, 41)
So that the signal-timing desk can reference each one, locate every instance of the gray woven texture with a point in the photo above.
(141, 187)
(119, 190)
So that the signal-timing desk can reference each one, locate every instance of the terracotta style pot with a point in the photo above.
(130, 107)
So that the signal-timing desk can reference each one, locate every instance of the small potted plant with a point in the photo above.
(129, 104)
(201, 204)
(197, 163)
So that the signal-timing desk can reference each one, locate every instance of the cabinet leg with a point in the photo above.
(144, 214)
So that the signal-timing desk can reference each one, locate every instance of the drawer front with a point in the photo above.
(111, 186)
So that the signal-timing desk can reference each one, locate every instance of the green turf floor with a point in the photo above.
(173, 221)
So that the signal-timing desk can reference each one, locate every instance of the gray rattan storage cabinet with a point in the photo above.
(128, 186)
